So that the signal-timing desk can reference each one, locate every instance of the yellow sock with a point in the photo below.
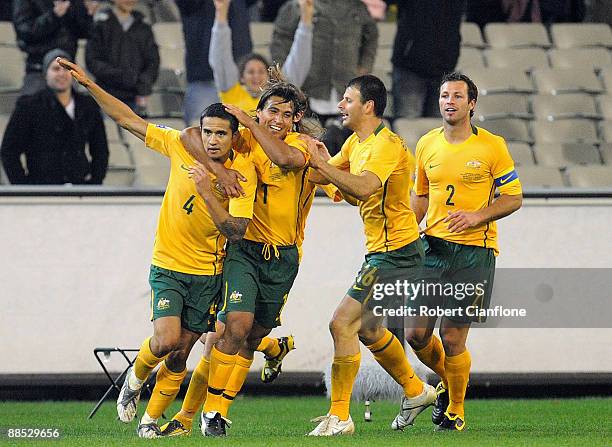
(269, 346)
(145, 361)
(457, 373)
(344, 371)
(167, 386)
(235, 382)
(196, 393)
(221, 366)
(433, 356)
(389, 354)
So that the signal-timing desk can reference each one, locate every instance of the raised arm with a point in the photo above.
(299, 60)
(117, 110)
(220, 57)
(233, 228)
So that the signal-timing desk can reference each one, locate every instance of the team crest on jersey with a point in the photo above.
(235, 297)
(473, 164)
(161, 126)
(163, 304)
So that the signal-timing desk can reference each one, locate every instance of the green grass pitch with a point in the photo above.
(283, 421)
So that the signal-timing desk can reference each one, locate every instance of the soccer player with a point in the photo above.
(261, 268)
(186, 268)
(375, 168)
(459, 166)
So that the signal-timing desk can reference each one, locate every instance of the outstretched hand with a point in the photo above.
(77, 72)
(318, 152)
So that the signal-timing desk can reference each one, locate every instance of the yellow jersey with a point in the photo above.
(463, 177)
(277, 212)
(187, 240)
(388, 221)
(239, 96)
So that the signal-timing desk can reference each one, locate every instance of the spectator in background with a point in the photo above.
(42, 25)
(344, 46)
(197, 17)
(376, 8)
(482, 12)
(52, 127)
(6, 11)
(122, 54)
(241, 85)
(426, 47)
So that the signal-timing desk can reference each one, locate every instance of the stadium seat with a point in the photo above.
(594, 58)
(562, 155)
(114, 133)
(383, 59)
(512, 129)
(172, 58)
(386, 33)
(606, 153)
(565, 131)
(7, 34)
(263, 50)
(152, 168)
(12, 69)
(261, 33)
(571, 105)
(572, 35)
(471, 35)
(165, 11)
(165, 105)
(412, 130)
(540, 177)
(606, 130)
(7, 102)
(500, 80)
(513, 35)
(119, 157)
(470, 58)
(171, 81)
(521, 154)
(507, 105)
(385, 76)
(589, 176)
(169, 34)
(605, 106)
(606, 75)
(524, 58)
(569, 80)
(119, 176)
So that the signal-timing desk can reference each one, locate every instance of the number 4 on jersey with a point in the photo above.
(188, 206)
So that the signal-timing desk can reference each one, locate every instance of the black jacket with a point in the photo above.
(428, 38)
(39, 30)
(54, 144)
(125, 63)
(198, 17)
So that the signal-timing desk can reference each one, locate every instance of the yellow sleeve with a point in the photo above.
(341, 159)
(295, 141)
(332, 192)
(421, 182)
(243, 206)
(382, 160)
(503, 172)
(162, 139)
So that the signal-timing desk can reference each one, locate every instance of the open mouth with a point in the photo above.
(450, 110)
(275, 128)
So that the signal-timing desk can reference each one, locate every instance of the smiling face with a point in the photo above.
(455, 107)
(58, 78)
(254, 75)
(277, 116)
(351, 108)
(217, 137)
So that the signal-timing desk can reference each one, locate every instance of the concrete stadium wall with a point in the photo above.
(73, 276)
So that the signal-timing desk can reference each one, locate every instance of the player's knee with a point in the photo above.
(164, 344)
(369, 336)
(340, 328)
(453, 342)
(235, 335)
(417, 338)
(177, 360)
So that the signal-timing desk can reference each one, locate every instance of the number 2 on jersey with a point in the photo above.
(188, 206)
(451, 189)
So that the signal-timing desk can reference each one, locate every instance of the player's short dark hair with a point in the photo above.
(371, 89)
(216, 110)
(251, 57)
(456, 76)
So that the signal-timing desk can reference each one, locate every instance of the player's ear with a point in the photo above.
(297, 117)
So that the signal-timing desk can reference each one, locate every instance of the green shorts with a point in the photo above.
(459, 279)
(191, 297)
(379, 267)
(252, 283)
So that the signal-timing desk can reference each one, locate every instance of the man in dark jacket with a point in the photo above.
(122, 54)
(52, 128)
(198, 17)
(42, 25)
(426, 46)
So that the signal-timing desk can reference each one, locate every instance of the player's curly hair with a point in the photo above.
(277, 85)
